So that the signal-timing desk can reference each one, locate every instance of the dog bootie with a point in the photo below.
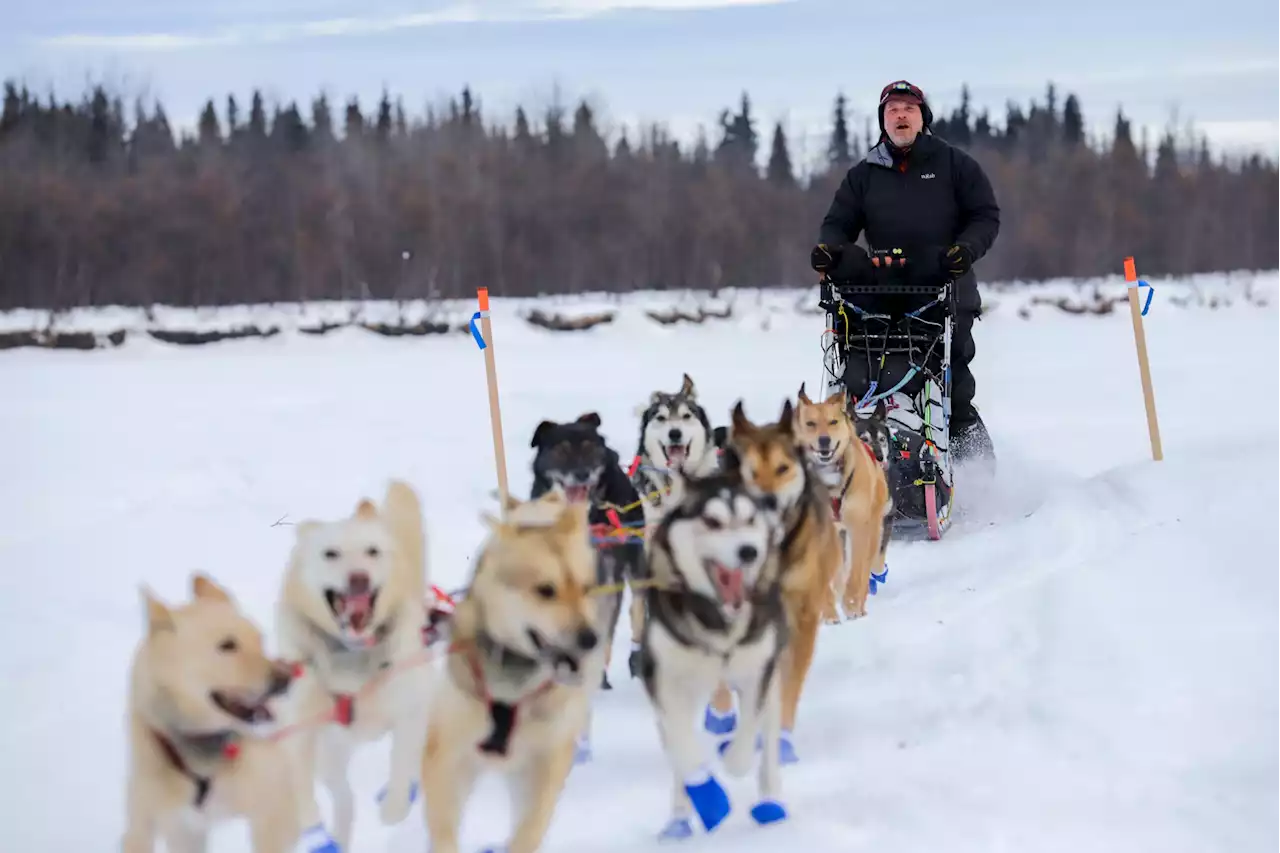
(676, 829)
(766, 812)
(633, 662)
(315, 839)
(787, 749)
(502, 849)
(709, 800)
(582, 750)
(413, 793)
(877, 579)
(719, 724)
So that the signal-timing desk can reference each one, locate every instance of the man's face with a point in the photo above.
(903, 120)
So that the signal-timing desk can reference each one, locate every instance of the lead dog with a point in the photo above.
(352, 609)
(527, 656)
(859, 492)
(715, 615)
(676, 438)
(198, 683)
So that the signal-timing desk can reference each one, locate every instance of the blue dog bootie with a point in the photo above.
(709, 799)
(316, 839)
(719, 724)
(877, 579)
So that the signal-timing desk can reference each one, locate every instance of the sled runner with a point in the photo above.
(888, 345)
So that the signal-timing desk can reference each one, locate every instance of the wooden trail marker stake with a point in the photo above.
(485, 340)
(1144, 367)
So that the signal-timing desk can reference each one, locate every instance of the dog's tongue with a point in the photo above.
(359, 608)
(577, 493)
(675, 453)
(730, 583)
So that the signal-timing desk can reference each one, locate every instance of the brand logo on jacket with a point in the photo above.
(926, 176)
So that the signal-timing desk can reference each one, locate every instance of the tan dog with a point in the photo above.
(859, 491)
(526, 655)
(198, 683)
(775, 466)
(352, 609)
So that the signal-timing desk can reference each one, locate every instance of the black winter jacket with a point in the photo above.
(939, 196)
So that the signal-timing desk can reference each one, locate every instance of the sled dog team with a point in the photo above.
(737, 544)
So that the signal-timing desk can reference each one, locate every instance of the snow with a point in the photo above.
(1088, 661)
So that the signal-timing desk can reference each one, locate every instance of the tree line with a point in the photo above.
(103, 205)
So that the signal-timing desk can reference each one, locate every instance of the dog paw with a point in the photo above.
(677, 829)
(393, 805)
(766, 812)
(709, 800)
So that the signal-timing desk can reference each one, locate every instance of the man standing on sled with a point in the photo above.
(915, 192)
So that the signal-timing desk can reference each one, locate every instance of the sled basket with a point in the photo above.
(888, 347)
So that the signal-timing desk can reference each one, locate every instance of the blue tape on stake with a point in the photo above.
(1151, 291)
(475, 330)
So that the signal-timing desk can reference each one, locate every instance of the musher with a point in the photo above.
(916, 192)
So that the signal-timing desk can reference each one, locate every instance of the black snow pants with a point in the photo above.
(963, 385)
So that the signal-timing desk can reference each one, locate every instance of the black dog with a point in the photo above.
(574, 457)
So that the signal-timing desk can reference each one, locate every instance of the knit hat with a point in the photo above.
(908, 91)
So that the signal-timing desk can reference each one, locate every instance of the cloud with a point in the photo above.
(459, 13)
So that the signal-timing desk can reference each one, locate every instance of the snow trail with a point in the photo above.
(1088, 661)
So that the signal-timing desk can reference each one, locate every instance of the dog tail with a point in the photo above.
(404, 516)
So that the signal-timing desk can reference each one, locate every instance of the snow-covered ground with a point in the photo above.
(1088, 661)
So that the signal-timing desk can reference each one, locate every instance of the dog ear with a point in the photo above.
(687, 388)
(159, 616)
(738, 422)
(882, 410)
(590, 418)
(839, 399)
(787, 419)
(366, 510)
(540, 434)
(203, 586)
(803, 397)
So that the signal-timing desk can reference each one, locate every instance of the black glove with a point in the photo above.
(852, 266)
(956, 259)
(824, 257)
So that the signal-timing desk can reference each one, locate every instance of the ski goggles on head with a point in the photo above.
(901, 87)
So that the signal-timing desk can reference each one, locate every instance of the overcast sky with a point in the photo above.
(679, 61)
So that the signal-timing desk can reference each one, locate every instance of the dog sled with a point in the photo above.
(888, 346)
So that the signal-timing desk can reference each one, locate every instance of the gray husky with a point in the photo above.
(716, 615)
(676, 437)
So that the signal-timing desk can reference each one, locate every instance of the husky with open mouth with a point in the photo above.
(199, 686)
(575, 458)
(716, 616)
(527, 656)
(352, 610)
(676, 437)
